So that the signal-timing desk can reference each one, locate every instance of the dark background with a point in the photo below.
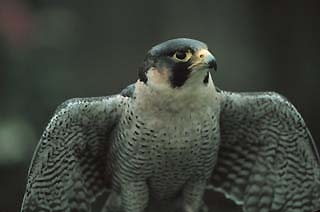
(52, 50)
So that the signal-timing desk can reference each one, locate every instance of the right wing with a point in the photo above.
(69, 168)
(267, 159)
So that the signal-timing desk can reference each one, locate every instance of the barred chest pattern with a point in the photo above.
(165, 149)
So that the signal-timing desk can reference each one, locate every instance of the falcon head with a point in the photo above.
(176, 63)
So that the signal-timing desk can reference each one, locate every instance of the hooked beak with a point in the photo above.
(204, 58)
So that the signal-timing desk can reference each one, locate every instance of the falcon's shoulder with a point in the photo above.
(69, 166)
(267, 158)
(128, 91)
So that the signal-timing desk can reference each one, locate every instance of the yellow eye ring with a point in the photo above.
(182, 56)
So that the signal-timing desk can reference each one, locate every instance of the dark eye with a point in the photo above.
(182, 56)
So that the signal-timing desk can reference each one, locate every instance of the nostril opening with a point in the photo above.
(201, 55)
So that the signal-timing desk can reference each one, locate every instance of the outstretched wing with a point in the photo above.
(69, 168)
(267, 159)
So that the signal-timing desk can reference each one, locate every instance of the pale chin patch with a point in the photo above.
(197, 77)
(160, 79)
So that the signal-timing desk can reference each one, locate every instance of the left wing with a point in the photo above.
(70, 166)
(267, 159)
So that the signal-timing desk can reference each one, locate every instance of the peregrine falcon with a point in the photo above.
(164, 140)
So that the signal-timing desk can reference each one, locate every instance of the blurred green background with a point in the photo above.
(53, 50)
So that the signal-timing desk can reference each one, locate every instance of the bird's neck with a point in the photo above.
(175, 101)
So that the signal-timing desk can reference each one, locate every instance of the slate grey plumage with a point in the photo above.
(69, 168)
(267, 160)
(164, 140)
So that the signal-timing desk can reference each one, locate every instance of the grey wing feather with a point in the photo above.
(128, 91)
(69, 168)
(267, 159)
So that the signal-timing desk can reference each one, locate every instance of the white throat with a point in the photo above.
(164, 99)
